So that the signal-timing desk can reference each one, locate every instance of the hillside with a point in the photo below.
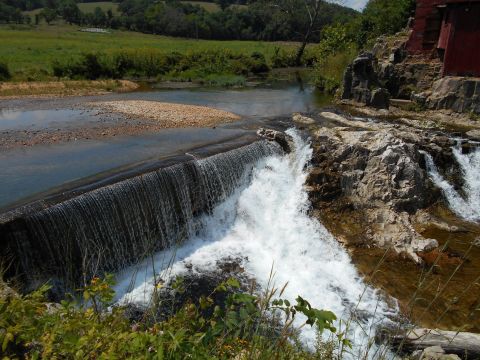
(223, 20)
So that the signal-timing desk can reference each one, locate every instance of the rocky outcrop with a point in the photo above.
(373, 175)
(389, 72)
(456, 93)
(360, 78)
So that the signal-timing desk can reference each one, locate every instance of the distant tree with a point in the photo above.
(51, 4)
(305, 15)
(99, 17)
(49, 15)
(381, 17)
(69, 11)
(223, 4)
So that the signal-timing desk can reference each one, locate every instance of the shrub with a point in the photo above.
(4, 72)
(243, 327)
(282, 58)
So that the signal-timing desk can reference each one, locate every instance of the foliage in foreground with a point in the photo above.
(247, 326)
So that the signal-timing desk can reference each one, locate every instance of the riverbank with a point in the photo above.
(37, 89)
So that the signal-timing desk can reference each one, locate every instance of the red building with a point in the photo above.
(452, 29)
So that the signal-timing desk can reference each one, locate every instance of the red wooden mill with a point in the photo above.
(451, 27)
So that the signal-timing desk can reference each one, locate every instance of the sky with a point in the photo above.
(356, 4)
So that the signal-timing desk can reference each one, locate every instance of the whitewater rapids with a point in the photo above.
(266, 222)
(468, 206)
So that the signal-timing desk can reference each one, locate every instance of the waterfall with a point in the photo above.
(468, 206)
(115, 226)
(265, 222)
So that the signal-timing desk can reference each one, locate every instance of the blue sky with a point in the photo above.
(356, 4)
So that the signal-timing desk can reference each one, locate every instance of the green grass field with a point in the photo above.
(29, 51)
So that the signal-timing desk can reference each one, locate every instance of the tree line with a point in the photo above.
(268, 20)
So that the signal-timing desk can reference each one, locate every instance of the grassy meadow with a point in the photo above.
(30, 51)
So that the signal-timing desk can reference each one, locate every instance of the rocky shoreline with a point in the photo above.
(370, 187)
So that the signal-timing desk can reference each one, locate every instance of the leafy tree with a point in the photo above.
(99, 17)
(223, 4)
(381, 17)
(49, 15)
(69, 11)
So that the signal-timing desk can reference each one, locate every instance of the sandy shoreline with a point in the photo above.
(168, 115)
(102, 120)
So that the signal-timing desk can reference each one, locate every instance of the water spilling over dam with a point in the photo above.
(265, 222)
(113, 226)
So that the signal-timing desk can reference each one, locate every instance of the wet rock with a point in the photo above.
(474, 134)
(376, 177)
(284, 140)
(195, 282)
(300, 119)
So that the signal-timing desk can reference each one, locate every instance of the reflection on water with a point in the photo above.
(37, 119)
(249, 102)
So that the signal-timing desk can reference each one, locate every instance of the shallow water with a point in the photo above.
(38, 119)
(248, 102)
(32, 170)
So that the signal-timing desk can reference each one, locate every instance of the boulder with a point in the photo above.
(304, 120)
(380, 99)
(284, 140)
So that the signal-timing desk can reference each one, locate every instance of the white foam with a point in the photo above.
(266, 222)
(467, 207)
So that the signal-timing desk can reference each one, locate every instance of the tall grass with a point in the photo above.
(209, 66)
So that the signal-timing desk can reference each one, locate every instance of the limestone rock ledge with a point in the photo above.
(368, 182)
